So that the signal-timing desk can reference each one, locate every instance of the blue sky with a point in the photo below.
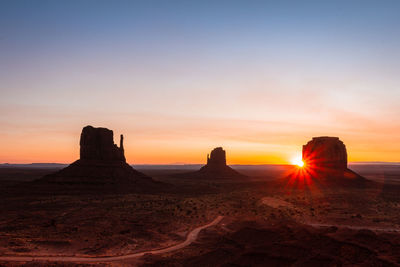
(259, 77)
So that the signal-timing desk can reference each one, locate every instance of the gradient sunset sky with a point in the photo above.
(178, 78)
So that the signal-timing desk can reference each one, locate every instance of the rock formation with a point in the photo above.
(216, 166)
(325, 153)
(326, 157)
(217, 157)
(98, 144)
(101, 163)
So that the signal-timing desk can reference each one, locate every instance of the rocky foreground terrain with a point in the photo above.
(263, 222)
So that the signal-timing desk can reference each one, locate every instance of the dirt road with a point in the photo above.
(192, 236)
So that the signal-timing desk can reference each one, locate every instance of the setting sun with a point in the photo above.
(298, 161)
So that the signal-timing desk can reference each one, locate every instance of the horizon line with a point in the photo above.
(184, 164)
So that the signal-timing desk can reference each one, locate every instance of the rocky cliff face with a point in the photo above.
(325, 153)
(325, 164)
(98, 144)
(217, 157)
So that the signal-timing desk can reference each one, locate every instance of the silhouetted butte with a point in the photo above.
(101, 162)
(216, 166)
(325, 153)
(327, 157)
(98, 144)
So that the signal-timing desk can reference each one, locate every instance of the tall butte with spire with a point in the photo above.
(101, 162)
(97, 144)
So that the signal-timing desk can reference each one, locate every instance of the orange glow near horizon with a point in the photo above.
(180, 142)
(298, 161)
(140, 151)
(154, 138)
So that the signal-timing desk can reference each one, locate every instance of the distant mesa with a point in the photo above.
(327, 156)
(101, 162)
(216, 165)
(325, 153)
(217, 157)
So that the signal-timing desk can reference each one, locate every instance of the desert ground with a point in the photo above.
(265, 220)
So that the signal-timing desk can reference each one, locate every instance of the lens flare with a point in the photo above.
(298, 161)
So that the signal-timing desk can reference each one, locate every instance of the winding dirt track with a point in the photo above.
(192, 236)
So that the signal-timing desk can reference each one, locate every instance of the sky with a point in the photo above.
(178, 78)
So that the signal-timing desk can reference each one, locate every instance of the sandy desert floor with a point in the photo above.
(265, 221)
